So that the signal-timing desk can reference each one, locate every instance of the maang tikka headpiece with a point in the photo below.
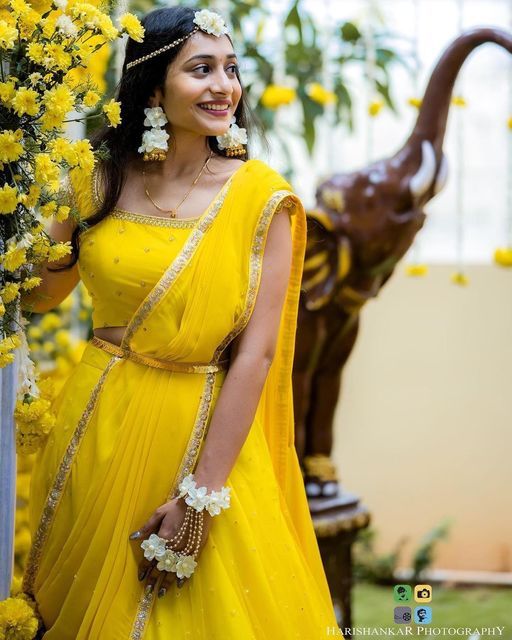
(154, 141)
(207, 21)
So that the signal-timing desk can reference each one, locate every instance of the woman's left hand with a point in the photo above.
(166, 522)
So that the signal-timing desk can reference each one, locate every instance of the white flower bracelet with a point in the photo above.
(199, 499)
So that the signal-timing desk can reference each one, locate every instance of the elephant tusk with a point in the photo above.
(422, 179)
(442, 175)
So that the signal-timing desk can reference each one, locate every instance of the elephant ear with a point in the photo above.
(326, 263)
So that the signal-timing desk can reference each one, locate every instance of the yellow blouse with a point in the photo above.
(119, 280)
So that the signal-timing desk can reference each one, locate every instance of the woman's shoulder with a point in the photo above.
(268, 178)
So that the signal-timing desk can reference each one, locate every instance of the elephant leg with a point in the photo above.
(325, 392)
(311, 332)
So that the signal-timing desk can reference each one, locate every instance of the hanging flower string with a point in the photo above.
(40, 55)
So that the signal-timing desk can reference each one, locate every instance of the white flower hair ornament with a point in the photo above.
(205, 20)
(210, 22)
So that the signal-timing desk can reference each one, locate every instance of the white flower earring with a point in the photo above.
(233, 140)
(154, 142)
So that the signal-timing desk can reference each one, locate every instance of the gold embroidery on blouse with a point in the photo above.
(59, 484)
(187, 466)
(157, 221)
(274, 204)
(177, 265)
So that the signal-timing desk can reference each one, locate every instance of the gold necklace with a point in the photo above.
(172, 212)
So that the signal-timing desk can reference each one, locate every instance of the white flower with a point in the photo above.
(155, 117)
(234, 135)
(186, 484)
(66, 25)
(167, 562)
(185, 566)
(26, 241)
(218, 500)
(210, 22)
(26, 369)
(60, 4)
(154, 139)
(154, 547)
(197, 498)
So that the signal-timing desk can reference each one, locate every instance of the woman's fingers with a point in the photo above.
(144, 567)
(152, 577)
(167, 580)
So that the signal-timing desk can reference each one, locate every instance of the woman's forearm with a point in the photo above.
(232, 418)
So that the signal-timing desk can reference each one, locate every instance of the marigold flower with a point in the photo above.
(416, 270)
(8, 35)
(58, 251)
(503, 256)
(10, 148)
(17, 619)
(320, 94)
(459, 101)
(459, 278)
(13, 258)
(375, 107)
(8, 199)
(9, 292)
(275, 96)
(91, 98)
(113, 111)
(25, 102)
(415, 102)
(130, 23)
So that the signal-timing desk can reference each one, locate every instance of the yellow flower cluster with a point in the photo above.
(275, 96)
(320, 94)
(7, 346)
(17, 619)
(503, 256)
(459, 278)
(375, 107)
(34, 422)
(113, 111)
(459, 101)
(50, 44)
(416, 270)
(415, 102)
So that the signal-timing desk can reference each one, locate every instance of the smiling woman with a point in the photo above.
(168, 500)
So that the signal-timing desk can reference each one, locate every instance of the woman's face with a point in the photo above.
(204, 71)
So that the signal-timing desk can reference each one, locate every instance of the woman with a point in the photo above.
(187, 378)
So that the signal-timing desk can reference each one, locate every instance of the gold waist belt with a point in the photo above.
(169, 365)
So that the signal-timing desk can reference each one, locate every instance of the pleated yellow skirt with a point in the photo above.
(115, 460)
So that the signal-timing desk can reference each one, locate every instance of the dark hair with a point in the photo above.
(133, 91)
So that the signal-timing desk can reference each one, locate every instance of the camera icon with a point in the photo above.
(423, 593)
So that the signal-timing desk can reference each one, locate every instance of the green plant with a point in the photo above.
(368, 566)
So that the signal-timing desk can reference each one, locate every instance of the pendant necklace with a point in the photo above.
(172, 212)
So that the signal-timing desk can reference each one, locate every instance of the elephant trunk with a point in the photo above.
(431, 122)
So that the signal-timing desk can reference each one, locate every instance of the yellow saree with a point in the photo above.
(128, 431)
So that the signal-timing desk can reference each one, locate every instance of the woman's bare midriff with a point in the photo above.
(110, 334)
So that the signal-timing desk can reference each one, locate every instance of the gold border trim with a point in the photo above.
(157, 363)
(155, 221)
(188, 463)
(178, 264)
(59, 483)
(277, 201)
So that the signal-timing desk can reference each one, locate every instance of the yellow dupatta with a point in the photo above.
(221, 263)
(202, 301)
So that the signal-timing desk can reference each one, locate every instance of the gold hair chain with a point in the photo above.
(172, 212)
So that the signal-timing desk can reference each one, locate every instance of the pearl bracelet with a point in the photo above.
(199, 499)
